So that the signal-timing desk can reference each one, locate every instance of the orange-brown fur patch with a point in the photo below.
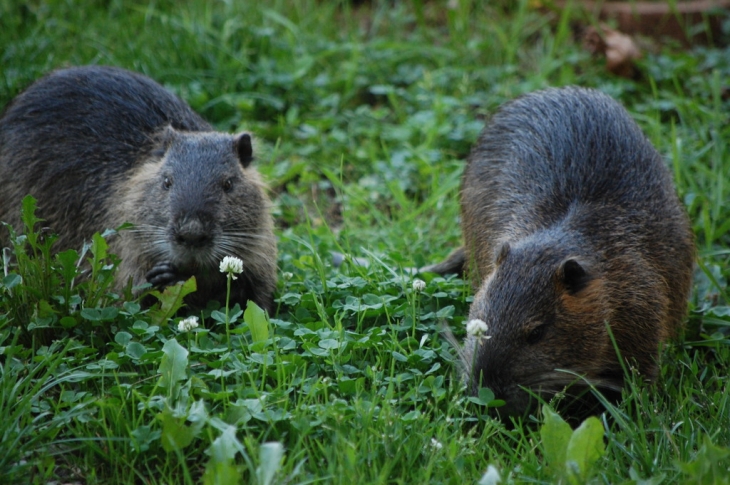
(588, 301)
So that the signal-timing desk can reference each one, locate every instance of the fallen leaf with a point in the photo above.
(619, 49)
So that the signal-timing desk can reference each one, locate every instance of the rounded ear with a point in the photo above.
(244, 150)
(163, 139)
(574, 275)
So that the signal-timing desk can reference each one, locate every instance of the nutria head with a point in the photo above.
(547, 307)
(201, 204)
(194, 201)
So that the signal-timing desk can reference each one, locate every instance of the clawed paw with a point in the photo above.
(163, 274)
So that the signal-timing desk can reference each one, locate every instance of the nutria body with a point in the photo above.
(100, 146)
(571, 223)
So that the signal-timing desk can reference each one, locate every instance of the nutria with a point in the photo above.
(100, 146)
(571, 227)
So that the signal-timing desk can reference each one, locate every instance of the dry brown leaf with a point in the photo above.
(619, 49)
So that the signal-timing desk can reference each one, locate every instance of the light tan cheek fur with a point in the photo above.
(122, 208)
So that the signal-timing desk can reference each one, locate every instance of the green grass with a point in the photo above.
(364, 115)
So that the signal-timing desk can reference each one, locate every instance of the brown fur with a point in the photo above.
(573, 235)
(100, 146)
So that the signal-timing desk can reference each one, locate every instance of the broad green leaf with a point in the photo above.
(399, 357)
(123, 338)
(171, 300)
(218, 473)
(411, 415)
(175, 435)
(218, 316)
(99, 247)
(135, 350)
(224, 447)
(131, 307)
(109, 313)
(555, 434)
(12, 280)
(143, 436)
(486, 395)
(329, 344)
(270, 456)
(711, 466)
(256, 320)
(174, 364)
(68, 322)
(584, 449)
(198, 414)
(91, 314)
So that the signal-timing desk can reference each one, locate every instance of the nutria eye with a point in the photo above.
(167, 183)
(536, 334)
(228, 185)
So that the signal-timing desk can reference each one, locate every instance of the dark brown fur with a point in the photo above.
(100, 146)
(571, 223)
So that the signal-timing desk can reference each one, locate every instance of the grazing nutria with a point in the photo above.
(571, 223)
(100, 146)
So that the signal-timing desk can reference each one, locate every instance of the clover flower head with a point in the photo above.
(419, 285)
(188, 324)
(477, 328)
(490, 477)
(231, 265)
(436, 444)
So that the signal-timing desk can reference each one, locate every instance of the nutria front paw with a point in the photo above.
(163, 274)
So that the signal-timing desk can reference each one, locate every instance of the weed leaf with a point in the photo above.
(171, 300)
(711, 466)
(221, 472)
(173, 367)
(256, 320)
(12, 280)
(555, 434)
(584, 449)
(143, 436)
(270, 455)
(175, 435)
(28, 216)
(224, 447)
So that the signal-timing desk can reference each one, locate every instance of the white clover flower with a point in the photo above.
(231, 265)
(287, 275)
(188, 324)
(477, 328)
(436, 444)
(491, 477)
(419, 285)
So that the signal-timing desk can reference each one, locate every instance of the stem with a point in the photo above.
(228, 323)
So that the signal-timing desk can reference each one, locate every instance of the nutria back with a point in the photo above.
(100, 146)
(572, 228)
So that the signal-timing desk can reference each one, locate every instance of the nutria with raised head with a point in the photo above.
(571, 226)
(100, 146)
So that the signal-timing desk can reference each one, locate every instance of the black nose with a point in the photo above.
(193, 234)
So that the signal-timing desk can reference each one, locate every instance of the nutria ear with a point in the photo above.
(167, 134)
(574, 275)
(244, 150)
(163, 139)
